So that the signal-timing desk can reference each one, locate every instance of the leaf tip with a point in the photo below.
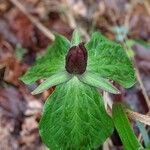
(34, 92)
(118, 91)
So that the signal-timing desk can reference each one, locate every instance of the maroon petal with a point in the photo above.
(76, 59)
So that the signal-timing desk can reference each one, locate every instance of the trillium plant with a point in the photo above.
(74, 116)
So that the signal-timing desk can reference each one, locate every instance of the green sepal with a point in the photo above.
(94, 79)
(76, 38)
(53, 80)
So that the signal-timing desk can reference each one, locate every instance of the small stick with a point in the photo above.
(135, 116)
(142, 87)
(71, 20)
(35, 21)
(138, 117)
(147, 6)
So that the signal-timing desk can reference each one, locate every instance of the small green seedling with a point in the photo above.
(74, 116)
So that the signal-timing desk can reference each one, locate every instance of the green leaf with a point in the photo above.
(74, 118)
(53, 80)
(144, 133)
(95, 80)
(148, 147)
(124, 128)
(109, 60)
(76, 38)
(52, 62)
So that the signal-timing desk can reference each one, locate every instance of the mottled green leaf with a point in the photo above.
(124, 128)
(109, 60)
(74, 118)
(52, 62)
(94, 79)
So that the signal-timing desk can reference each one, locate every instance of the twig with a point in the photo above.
(135, 116)
(138, 117)
(131, 114)
(46, 7)
(85, 34)
(35, 21)
(147, 6)
(142, 87)
(71, 20)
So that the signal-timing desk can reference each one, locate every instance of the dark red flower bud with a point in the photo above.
(76, 59)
